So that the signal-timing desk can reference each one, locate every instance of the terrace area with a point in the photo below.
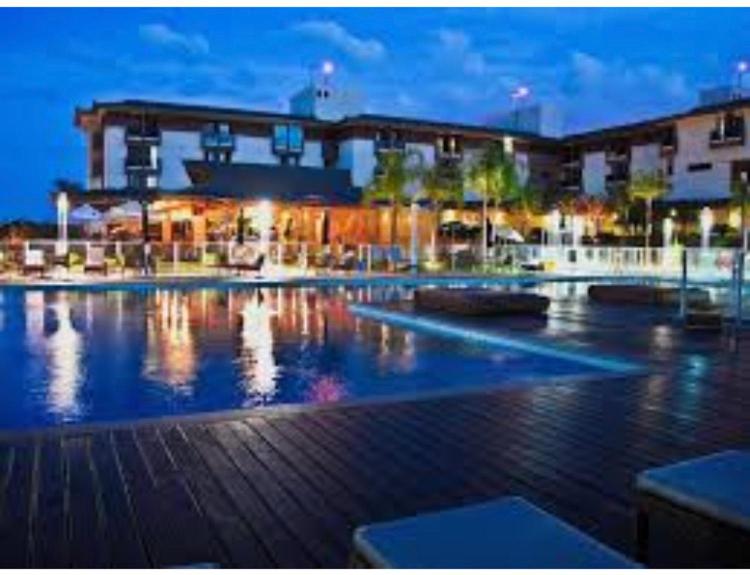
(287, 486)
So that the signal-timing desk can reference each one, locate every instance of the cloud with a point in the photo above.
(457, 45)
(335, 34)
(599, 92)
(163, 35)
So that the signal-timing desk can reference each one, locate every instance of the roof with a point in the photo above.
(622, 129)
(212, 112)
(479, 129)
(228, 113)
(290, 184)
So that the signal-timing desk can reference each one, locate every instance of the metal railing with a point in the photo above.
(208, 258)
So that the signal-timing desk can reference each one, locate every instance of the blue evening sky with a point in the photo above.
(596, 66)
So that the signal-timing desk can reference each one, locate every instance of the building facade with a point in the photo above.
(206, 165)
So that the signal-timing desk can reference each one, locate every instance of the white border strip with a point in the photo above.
(449, 330)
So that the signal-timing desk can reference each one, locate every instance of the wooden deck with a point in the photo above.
(288, 489)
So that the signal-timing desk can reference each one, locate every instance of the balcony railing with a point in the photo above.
(733, 137)
(218, 140)
(145, 134)
(571, 164)
(616, 156)
(143, 165)
(390, 145)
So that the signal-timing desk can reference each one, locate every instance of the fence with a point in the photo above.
(187, 258)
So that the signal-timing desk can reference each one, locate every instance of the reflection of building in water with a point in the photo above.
(64, 351)
(256, 354)
(170, 354)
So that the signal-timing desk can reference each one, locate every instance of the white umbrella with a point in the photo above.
(508, 234)
(85, 214)
(127, 211)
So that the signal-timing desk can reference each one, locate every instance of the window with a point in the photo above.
(140, 181)
(139, 156)
(288, 139)
(218, 156)
(389, 141)
(702, 167)
(449, 146)
(729, 130)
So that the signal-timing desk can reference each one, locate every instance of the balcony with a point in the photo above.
(142, 165)
(215, 140)
(143, 134)
(721, 139)
(616, 157)
(393, 144)
(571, 164)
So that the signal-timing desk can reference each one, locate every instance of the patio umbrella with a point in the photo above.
(508, 234)
(85, 214)
(128, 211)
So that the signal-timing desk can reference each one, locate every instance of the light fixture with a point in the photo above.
(328, 68)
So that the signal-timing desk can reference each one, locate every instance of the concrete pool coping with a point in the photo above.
(353, 280)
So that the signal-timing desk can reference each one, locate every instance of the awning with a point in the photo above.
(285, 184)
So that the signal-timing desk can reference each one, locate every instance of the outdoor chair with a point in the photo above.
(243, 258)
(507, 533)
(95, 261)
(696, 513)
(347, 261)
(33, 262)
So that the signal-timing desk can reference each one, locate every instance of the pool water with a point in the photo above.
(78, 356)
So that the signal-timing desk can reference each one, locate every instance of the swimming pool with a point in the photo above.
(88, 356)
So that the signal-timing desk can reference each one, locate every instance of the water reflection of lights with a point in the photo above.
(326, 389)
(64, 351)
(170, 355)
(256, 357)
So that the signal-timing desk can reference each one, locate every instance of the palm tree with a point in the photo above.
(394, 172)
(441, 184)
(488, 175)
(525, 198)
(647, 187)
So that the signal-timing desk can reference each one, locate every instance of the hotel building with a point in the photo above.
(199, 172)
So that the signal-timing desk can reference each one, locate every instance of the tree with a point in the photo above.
(394, 172)
(489, 175)
(526, 199)
(441, 184)
(647, 187)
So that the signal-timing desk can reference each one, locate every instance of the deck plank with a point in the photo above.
(286, 489)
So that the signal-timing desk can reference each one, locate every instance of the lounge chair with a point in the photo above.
(95, 261)
(347, 261)
(508, 533)
(696, 513)
(480, 302)
(243, 258)
(33, 262)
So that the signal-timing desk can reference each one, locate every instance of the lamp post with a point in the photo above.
(742, 67)
(517, 96)
(63, 207)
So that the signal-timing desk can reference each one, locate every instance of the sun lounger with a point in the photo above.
(645, 295)
(480, 302)
(95, 261)
(696, 513)
(33, 262)
(243, 258)
(508, 533)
